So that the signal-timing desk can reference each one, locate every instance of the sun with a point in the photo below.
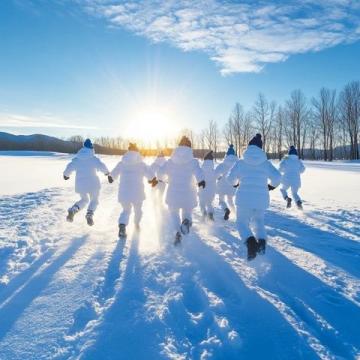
(152, 125)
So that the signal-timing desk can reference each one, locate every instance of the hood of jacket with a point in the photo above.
(230, 159)
(253, 155)
(131, 158)
(182, 155)
(160, 160)
(292, 157)
(208, 165)
(85, 153)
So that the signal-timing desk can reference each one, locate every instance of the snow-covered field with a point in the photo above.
(68, 291)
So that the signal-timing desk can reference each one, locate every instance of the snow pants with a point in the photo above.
(229, 204)
(294, 192)
(206, 206)
(246, 217)
(91, 198)
(178, 215)
(126, 211)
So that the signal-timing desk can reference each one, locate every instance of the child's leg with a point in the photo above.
(259, 226)
(84, 199)
(175, 218)
(202, 204)
(138, 213)
(294, 192)
(94, 201)
(283, 191)
(222, 202)
(230, 200)
(187, 214)
(243, 223)
(125, 214)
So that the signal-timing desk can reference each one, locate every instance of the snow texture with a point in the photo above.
(68, 291)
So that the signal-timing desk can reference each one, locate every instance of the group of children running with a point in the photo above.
(248, 179)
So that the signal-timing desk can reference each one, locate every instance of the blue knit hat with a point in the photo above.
(231, 150)
(292, 150)
(88, 144)
(256, 140)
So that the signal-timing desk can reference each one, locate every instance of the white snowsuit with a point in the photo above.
(155, 167)
(87, 183)
(252, 195)
(223, 187)
(180, 171)
(132, 171)
(290, 168)
(207, 195)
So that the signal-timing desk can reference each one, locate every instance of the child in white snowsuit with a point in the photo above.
(155, 167)
(207, 195)
(131, 195)
(87, 184)
(290, 168)
(180, 171)
(225, 190)
(252, 173)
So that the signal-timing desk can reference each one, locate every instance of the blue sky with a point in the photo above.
(95, 67)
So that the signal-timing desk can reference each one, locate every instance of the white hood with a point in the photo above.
(253, 155)
(85, 153)
(292, 157)
(208, 165)
(182, 155)
(131, 158)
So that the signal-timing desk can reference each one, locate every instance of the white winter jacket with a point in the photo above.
(207, 195)
(223, 186)
(157, 164)
(290, 168)
(253, 172)
(132, 171)
(180, 171)
(86, 164)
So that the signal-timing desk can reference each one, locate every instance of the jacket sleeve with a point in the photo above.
(162, 171)
(301, 166)
(219, 171)
(116, 171)
(100, 166)
(274, 175)
(282, 166)
(198, 173)
(71, 167)
(233, 175)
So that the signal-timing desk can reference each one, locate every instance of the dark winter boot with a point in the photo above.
(262, 246)
(252, 248)
(211, 216)
(299, 204)
(71, 212)
(89, 217)
(177, 239)
(288, 202)
(185, 226)
(227, 214)
(122, 231)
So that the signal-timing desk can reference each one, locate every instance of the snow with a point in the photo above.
(68, 291)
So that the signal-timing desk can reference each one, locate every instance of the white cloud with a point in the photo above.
(240, 36)
(8, 120)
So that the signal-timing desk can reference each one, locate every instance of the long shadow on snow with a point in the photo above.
(264, 333)
(122, 333)
(15, 306)
(337, 250)
(298, 288)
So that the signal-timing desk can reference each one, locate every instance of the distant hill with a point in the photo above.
(40, 142)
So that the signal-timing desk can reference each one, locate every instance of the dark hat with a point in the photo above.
(209, 156)
(88, 144)
(292, 150)
(133, 147)
(185, 141)
(256, 140)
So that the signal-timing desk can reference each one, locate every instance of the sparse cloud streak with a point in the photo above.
(241, 36)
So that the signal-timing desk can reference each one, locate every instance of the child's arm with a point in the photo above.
(233, 175)
(302, 167)
(100, 166)
(116, 171)
(199, 174)
(219, 171)
(70, 168)
(274, 175)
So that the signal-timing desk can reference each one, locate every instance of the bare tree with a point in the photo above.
(212, 136)
(349, 107)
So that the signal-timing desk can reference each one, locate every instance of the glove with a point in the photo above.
(153, 182)
(237, 185)
(66, 177)
(202, 184)
(270, 187)
(110, 179)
